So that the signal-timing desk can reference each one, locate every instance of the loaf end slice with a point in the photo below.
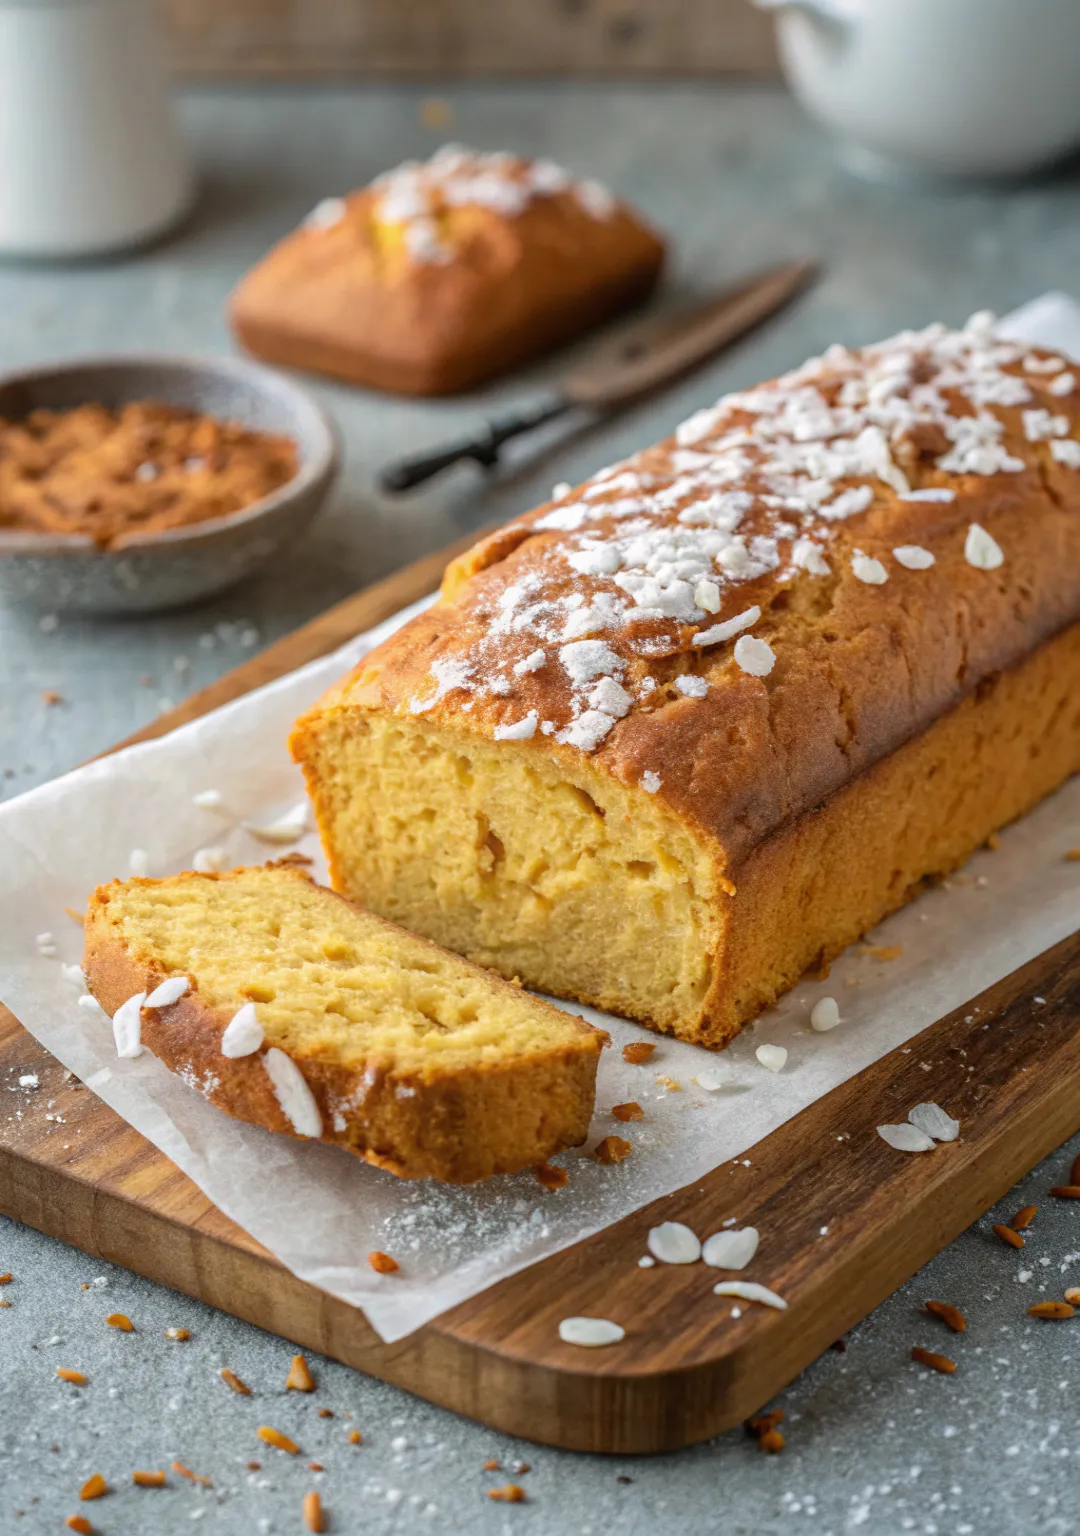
(373, 1039)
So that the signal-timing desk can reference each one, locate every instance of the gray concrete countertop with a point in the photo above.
(872, 1440)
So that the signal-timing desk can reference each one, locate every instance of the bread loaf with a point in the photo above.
(704, 720)
(291, 1008)
(439, 276)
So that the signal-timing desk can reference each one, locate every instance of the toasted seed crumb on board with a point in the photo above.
(672, 1084)
(148, 1479)
(1073, 856)
(382, 1263)
(313, 1512)
(253, 1466)
(1007, 1235)
(315, 1466)
(233, 1382)
(79, 1523)
(178, 1335)
(94, 1487)
(1023, 1218)
(6, 1279)
(1052, 1311)
(275, 1438)
(76, 1378)
(299, 1378)
(192, 1477)
(326, 1413)
(950, 1315)
(771, 1442)
(50, 696)
(1065, 1191)
(613, 1149)
(512, 1493)
(120, 1321)
(935, 1361)
(631, 1111)
(550, 1177)
(1072, 1295)
(886, 951)
(355, 1437)
(637, 1052)
(491, 1465)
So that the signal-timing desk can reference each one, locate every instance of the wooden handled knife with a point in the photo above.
(651, 352)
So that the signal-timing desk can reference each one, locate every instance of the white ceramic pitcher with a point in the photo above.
(90, 156)
(939, 87)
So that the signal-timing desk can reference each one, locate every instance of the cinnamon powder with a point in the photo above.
(144, 468)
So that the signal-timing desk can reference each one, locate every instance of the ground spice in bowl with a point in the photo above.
(141, 469)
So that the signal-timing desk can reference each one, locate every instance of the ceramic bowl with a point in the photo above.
(69, 573)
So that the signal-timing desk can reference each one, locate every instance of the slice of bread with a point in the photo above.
(305, 1014)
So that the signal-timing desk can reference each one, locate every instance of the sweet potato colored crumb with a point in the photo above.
(144, 468)
(935, 1361)
(612, 1150)
(382, 1263)
(624, 1112)
(550, 1177)
(299, 1378)
(233, 1382)
(951, 1316)
(275, 1438)
(637, 1052)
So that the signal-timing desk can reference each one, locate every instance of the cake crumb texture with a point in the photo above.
(418, 1061)
(575, 768)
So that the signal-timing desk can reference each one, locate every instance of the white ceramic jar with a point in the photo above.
(938, 87)
(90, 156)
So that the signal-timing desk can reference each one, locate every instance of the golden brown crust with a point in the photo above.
(908, 525)
(458, 1127)
(859, 668)
(350, 300)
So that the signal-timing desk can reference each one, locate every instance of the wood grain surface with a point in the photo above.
(447, 38)
(687, 1369)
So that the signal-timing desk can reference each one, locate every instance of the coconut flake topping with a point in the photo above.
(292, 1093)
(243, 1034)
(684, 547)
(413, 195)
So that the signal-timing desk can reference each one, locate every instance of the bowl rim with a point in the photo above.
(320, 450)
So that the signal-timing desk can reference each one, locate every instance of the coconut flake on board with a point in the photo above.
(906, 1138)
(590, 1332)
(749, 1290)
(673, 1243)
(932, 1120)
(732, 1249)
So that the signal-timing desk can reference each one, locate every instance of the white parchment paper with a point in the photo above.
(321, 1211)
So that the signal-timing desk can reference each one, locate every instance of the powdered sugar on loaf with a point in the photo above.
(674, 554)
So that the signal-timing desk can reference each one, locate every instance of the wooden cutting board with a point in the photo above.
(687, 1369)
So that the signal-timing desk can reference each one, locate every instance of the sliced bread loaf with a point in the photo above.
(294, 1009)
